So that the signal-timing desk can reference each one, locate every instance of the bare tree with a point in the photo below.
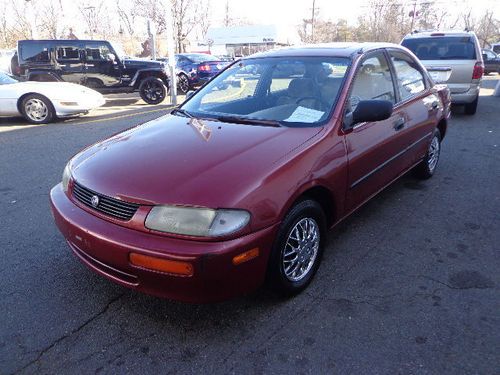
(127, 17)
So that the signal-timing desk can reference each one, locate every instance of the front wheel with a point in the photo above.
(428, 165)
(152, 90)
(37, 109)
(297, 251)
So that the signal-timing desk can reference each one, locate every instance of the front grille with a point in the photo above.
(106, 205)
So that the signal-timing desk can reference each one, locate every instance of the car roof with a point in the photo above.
(326, 49)
(61, 40)
(433, 33)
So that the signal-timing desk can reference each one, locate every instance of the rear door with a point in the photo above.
(373, 148)
(69, 62)
(417, 105)
(455, 52)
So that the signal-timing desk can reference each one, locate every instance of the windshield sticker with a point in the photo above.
(303, 114)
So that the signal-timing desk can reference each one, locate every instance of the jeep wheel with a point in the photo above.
(152, 90)
(37, 109)
(183, 83)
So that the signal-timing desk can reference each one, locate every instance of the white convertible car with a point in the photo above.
(42, 102)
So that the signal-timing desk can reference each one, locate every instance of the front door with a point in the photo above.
(69, 62)
(373, 148)
(102, 67)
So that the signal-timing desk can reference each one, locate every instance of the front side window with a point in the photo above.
(97, 52)
(294, 91)
(489, 54)
(68, 53)
(373, 81)
(410, 79)
(442, 47)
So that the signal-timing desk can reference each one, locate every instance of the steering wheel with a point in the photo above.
(321, 105)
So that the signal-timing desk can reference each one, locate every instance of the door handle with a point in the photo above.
(399, 124)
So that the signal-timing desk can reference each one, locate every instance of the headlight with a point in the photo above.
(192, 221)
(66, 177)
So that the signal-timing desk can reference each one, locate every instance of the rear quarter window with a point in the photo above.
(34, 52)
(442, 47)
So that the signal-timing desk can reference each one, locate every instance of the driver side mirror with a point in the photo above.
(369, 111)
(189, 94)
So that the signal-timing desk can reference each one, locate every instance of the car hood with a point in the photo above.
(52, 90)
(176, 160)
(143, 63)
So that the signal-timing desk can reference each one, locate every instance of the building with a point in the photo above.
(246, 40)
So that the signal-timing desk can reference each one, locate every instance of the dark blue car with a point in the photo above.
(195, 69)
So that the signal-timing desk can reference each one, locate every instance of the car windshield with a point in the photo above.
(119, 50)
(291, 91)
(201, 57)
(6, 79)
(442, 47)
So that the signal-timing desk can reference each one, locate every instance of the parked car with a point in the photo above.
(42, 102)
(240, 184)
(457, 51)
(495, 47)
(98, 64)
(491, 62)
(195, 69)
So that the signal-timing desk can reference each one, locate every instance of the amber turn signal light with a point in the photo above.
(246, 256)
(174, 267)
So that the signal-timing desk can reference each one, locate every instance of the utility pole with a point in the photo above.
(413, 15)
(31, 17)
(312, 20)
(171, 52)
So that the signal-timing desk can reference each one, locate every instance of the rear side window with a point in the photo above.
(496, 48)
(410, 79)
(442, 47)
(34, 52)
(68, 53)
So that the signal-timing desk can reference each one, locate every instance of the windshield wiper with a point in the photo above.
(182, 112)
(248, 121)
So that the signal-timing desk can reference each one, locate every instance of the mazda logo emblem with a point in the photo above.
(94, 201)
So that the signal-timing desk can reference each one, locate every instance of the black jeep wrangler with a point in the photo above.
(94, 63)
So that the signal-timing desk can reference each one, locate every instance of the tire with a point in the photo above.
(37, 109)
(152, 90)
(284, 275)
(183, 83)
(471, 108)
(427, 166)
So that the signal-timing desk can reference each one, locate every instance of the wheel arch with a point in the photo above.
(141, 75)
(21, 98)
(442, 127)
(321, 194)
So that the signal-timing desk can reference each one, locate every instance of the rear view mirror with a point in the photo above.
(369, 111)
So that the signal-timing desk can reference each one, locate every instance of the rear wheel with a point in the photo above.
(183, 83)
(297, 251)
(152, 90)
(428, 165)
(37, 109)
(471, 108)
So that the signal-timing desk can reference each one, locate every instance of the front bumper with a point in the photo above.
(84, 105)
(105, 248)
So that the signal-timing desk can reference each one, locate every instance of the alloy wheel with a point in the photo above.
(36, 110)
(301, 249)
(433, 154)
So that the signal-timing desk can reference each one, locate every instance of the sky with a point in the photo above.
(291, 12)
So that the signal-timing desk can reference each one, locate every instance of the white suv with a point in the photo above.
(457, 52)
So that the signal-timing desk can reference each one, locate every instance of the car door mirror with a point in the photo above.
(369, 111)
(112, 58)
(485, 57)
(189, 94)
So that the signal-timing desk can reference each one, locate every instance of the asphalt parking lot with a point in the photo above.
(408, 285)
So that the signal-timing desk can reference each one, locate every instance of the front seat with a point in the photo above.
(300, 88)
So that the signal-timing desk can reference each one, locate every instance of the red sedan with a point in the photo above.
(241, 182)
